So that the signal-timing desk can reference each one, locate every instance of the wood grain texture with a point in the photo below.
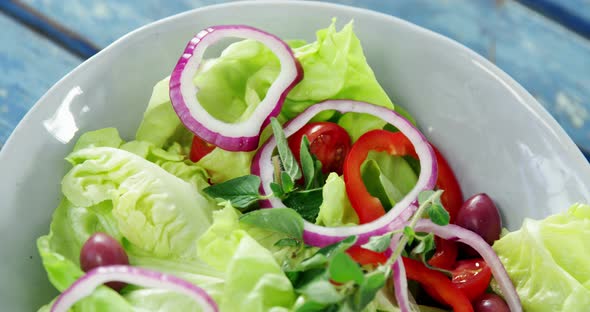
(29, 65)
(551, 62)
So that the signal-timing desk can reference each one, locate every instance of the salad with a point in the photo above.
(280, 176)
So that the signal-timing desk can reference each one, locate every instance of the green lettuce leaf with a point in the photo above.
(254, 279)
(335, 209)
(547, 261)
(223, 165)
(335, 67)
(155, 211)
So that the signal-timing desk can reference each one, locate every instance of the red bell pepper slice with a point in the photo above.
(438, 284)
(369, 208)
(364, 256)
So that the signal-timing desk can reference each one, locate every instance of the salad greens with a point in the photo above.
(548, 261)
(196, 220)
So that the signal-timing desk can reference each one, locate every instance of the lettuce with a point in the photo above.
(254, 279)
(335, 209)
(547, 261)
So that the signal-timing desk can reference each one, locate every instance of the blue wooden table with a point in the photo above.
(543, 44)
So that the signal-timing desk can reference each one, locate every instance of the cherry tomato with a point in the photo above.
(445, 255)
(328, 141)
(472, 277)
(365, 256)
(200, 149)
(101, 250)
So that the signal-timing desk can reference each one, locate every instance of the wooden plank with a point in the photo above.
(29, 65)
(548, 60)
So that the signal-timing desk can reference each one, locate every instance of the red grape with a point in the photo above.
(101, 250)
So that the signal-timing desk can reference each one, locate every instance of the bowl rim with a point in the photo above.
(518, 91)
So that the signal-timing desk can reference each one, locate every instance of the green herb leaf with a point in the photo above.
(340, 246)
(314, 262)
(343, 269)
(379, 243)
(424, 196)
(368, 289)
(242, 192)
(306, 203)
(409, 233)
(307, 163)
(438, 214)
(277, 189)
(311, 306)
(426, 244)
(287, 182)
(281, 220)
(288, 242)
(321, 291)
(287, 159)
(370, 174)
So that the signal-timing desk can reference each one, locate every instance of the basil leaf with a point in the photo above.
(371, 175)
(368, 289)
(241, 191)
(379, 243)
(277, 189)
(287, 182)
(307, 163)
(343, 269)
(438, 214)
(340, 246)
(314, 262)
(287, 159)
(306, 203)
(281, 220)
(321, 291)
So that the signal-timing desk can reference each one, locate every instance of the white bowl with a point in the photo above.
(497, 138)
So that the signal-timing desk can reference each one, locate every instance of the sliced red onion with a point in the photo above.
(457, 233)
(243, 135)
(396, 217)
(85, 285)
(400, 283)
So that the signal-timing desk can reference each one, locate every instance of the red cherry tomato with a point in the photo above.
(200, 149)
(445, 255)
(472, 277)
(364, 256)
(327, 141)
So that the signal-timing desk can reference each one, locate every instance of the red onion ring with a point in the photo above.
(457, 233)
(85, 285)
(400, 284)
(243, 135)
(396, 217)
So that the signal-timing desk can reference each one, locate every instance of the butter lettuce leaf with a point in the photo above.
(547, 261)
(336, 209)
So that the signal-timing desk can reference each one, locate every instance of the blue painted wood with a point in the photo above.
(29, 65)
(551, 62)
(573, 15)
(64, 37)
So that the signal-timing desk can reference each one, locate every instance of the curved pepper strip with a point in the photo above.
(369, 208)
(438, 284)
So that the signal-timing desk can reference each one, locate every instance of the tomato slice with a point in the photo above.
(199, 149)
(445, 254)
(327, 141)
(437, 284)
(472, 277)
(369, 208)
(364, 256)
